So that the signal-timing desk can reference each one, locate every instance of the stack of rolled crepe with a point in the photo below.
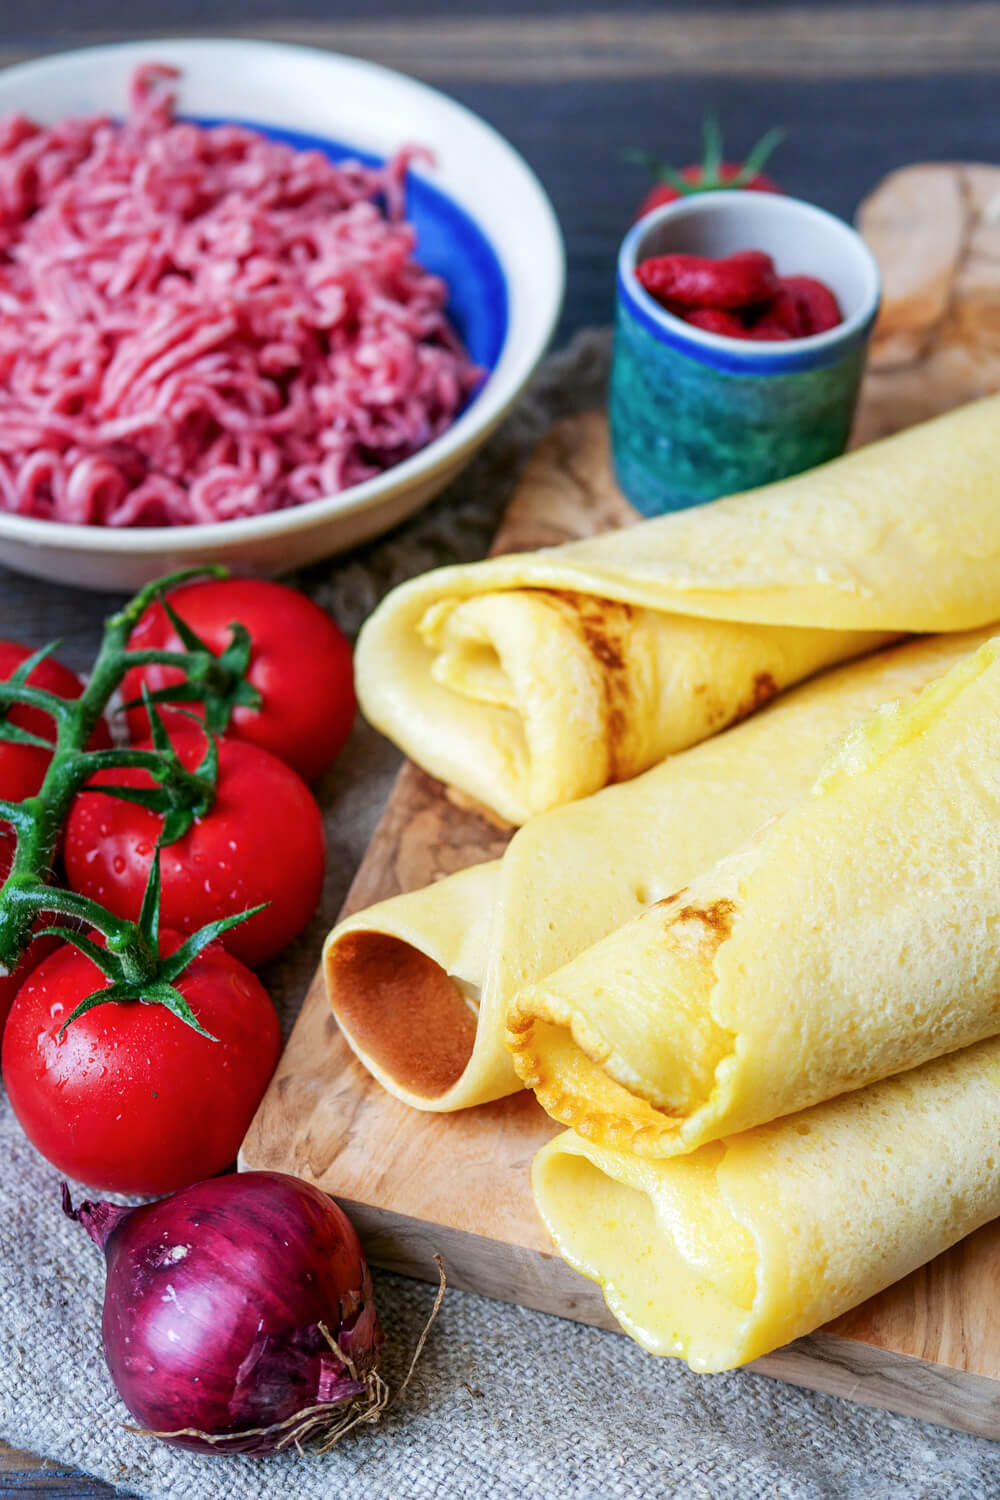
(531, 680)
(723, 1204)
(421, 984)
(745, 1166)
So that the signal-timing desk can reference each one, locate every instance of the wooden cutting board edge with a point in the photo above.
(928, 1347)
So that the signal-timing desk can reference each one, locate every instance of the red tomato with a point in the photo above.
(23, 767)
(665, 192)
(300, 663)
(130, 1099)
(261, 841)
(11, 983)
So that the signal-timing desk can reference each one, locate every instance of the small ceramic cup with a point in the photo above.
(695, 415)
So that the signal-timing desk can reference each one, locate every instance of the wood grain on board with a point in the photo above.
(457, 1184)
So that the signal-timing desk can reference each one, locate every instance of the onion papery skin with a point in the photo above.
(213, 1309)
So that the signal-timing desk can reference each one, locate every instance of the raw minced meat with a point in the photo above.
(199, 323)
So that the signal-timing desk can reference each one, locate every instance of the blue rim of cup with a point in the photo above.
(738, 356)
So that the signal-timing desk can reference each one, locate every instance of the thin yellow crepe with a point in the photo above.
(420, 984)
(857, 935)
(533, 679)
(721, 1256)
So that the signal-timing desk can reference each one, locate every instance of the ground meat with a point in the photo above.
(202, 323)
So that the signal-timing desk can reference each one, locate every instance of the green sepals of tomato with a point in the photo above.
(300, 665)
(23, 767)
(712, 172)
(261, 841)
(130, 1099)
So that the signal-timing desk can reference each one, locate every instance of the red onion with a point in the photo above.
(238, 1314)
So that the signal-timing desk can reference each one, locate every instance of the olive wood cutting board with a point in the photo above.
(417, 1183)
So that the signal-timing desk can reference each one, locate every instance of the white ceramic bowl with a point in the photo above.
(478, 182)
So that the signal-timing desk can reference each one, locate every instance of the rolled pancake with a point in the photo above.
(420, 984)
(537, 678)
(721, 1256)
(855, 936)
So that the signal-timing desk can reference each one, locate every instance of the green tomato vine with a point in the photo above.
(130, 958)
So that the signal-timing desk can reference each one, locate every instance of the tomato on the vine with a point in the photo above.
(129, 1098)
(300, 664)
(22, 771)
(261, 841)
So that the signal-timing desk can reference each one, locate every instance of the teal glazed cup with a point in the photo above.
(695, 415)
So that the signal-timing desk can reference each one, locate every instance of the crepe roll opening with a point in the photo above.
(570, 691)
(525, 659)
(401, 1012)
(678, 1271)
(622, 1043)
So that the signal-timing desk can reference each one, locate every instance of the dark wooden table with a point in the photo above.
(860, 87)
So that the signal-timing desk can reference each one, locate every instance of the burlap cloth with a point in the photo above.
(506, 1404)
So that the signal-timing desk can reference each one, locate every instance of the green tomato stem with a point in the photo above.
(38, 821)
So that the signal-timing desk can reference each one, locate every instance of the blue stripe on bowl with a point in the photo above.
(779, 360)
(449, 242)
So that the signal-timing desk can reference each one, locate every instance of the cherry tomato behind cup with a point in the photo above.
(694, 176)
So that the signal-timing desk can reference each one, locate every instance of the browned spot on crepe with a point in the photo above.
(669, 900)
(717, 917)
(401, 1010)
(601, 624)
(764, 688)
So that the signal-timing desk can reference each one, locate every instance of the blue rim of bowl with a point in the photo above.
(736, 356)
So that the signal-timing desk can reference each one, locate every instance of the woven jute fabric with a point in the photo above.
(505, 1404)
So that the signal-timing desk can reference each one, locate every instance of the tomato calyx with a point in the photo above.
(710, 176)
(180, 795)
(219, 682)
(130, 956)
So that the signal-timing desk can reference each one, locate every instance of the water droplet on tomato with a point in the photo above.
(118, 864)
(143, 848)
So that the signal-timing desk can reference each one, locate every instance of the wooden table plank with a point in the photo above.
(23, 1474)
(803, 41)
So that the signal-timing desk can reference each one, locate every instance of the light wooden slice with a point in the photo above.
(416, 1183)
